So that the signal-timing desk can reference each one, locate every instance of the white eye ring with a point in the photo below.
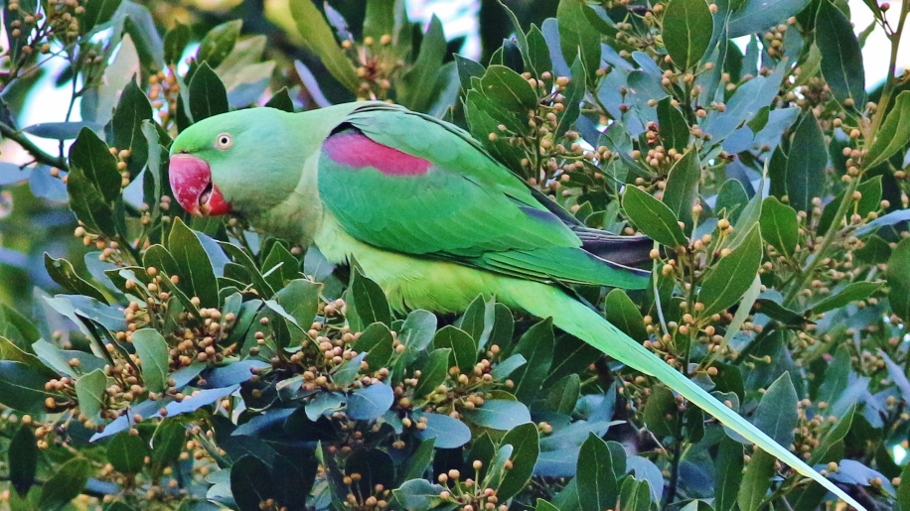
(223, 141)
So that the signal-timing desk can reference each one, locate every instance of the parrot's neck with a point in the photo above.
(298, 217)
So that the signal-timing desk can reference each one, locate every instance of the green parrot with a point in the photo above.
(429, 216)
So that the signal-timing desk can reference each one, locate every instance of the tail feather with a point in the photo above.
(586, 324)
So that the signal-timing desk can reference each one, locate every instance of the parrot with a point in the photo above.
(431, 217)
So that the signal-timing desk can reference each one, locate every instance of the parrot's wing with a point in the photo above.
(405, 182)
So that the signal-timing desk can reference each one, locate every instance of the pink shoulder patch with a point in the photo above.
(357, 150)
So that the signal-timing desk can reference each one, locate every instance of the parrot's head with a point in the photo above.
(242, 162)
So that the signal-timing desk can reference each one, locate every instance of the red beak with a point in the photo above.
(191, 181)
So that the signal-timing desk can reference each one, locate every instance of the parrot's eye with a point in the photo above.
(223, 141)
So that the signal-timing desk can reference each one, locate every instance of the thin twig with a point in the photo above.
(40, 156)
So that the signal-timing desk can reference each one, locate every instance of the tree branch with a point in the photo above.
(40, 156)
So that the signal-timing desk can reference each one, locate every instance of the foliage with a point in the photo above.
(187, 363)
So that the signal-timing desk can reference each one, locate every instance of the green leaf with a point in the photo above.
(379, 19)
(90, 157)
(776, 413)
(478, 320)
(728, 471)
(281, 100)
(418, 463)
(779, 226)
(175, 40)
(687, 29)
(893, 134)
(898, 276)
(22, 387)
(127, 452)
(463, 347)
(367, 301)
(875, 251)
(197, 278)
(852, 292)
(536, 346)
(300, 299)
(449, 433)
(498, 414)
(751, 16)
(318, 38)
(65, 485)
(417, 88)
(90, 390)
(842, 57)
(635, 494)
(508, 89)
(682, 185)
(660, 411)
(806, 165)
(126, 127)
(97, 12)
(167, 442)
(23, 459)
(369, 403)
(596, 481)
(218, 44)
(673, 128)
(652, 217)
(538, 57)
(207, 94)
(622, 312)
(756, 481)
(725, 283)
(562, 396)
(903, 490)
(524, 440)
(63, 273)
(152, 350)
(578, 35)
(376, 340)
(433, 372)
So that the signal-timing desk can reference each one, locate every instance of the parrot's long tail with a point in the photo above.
(586, 324)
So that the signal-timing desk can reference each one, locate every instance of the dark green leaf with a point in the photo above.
(417, 465)
(596, 481)
(635, 494)
(536, 346)
(674, 130)
(725, 283)
(167, 442)
(175, 40)
(903, 489)
(779, 226)
(417, 87)
(282, 101)
(433, 372)
(898, 275)
(538, 57)
(776, 413)
(577, 35)
(806, 165)
(90, 157)
(893, 134)
(207, 94)
(660, 411)
(197, 278)
(126, 125)
(376, 340)
(499, 414)
(22, 387)
(652, 217)
(419, 494)
(65, 485)
(23, 459)
(524, 440)
(96, 13)
(732, 198)
(463, 347)
(778, 312)
(367, 301)
(622, 312)
(562, 396)
(682, 186)
(875, 251)
(127, 452)
(152, 350)
(842, 58)
(687, 29)
(728, 471)
(251, 483)
(508, 89)
(300, 299)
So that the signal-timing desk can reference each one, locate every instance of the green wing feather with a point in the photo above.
(466, 207)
